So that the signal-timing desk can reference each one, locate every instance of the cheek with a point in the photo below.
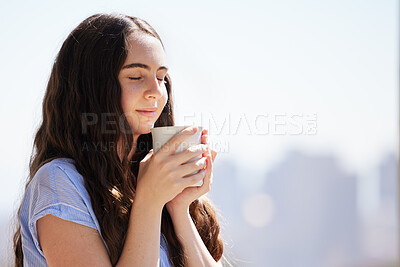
(128, 100)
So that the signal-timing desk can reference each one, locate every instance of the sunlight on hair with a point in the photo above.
(258, 210)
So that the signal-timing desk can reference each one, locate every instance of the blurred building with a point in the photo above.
(315, 221)
(312, 219)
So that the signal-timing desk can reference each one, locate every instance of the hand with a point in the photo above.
(182, 201)
(161, 174)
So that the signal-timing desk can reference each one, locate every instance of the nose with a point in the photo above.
(154, 90)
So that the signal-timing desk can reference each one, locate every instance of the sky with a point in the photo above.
(265, 77)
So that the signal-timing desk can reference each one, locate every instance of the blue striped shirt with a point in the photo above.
(58, 189)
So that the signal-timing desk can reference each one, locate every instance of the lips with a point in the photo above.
(147, 109)
(147, 112)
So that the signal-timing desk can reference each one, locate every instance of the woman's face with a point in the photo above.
(142, 82)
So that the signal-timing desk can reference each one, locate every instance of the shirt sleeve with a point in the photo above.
(53, 191)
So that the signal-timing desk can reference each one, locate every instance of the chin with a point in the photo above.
(144, 128)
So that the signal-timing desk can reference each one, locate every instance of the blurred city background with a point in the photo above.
(301, 101)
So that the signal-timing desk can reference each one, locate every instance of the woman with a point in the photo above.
(97, 195)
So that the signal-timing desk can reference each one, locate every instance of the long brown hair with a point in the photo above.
(78, 94)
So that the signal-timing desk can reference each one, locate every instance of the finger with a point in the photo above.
(207, 181)
(205, 131)
(204, 139)
(192, 166)
(190, 153)
(194, 179)
(172, 144)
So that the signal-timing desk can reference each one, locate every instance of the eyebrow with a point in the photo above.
(143, 66)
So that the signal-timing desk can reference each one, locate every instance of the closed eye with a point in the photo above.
(162, 80)
(139, 78)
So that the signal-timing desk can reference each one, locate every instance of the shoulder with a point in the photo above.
(57, 171)
(59, 178)
(58, 188)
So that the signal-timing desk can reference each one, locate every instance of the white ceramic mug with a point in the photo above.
(161, 135)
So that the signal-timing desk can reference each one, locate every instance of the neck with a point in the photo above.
(130, 155)
(133, 150)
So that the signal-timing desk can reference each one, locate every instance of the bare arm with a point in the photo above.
(142, 245)
(66, 243)
(178, 208)
(193, 245)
